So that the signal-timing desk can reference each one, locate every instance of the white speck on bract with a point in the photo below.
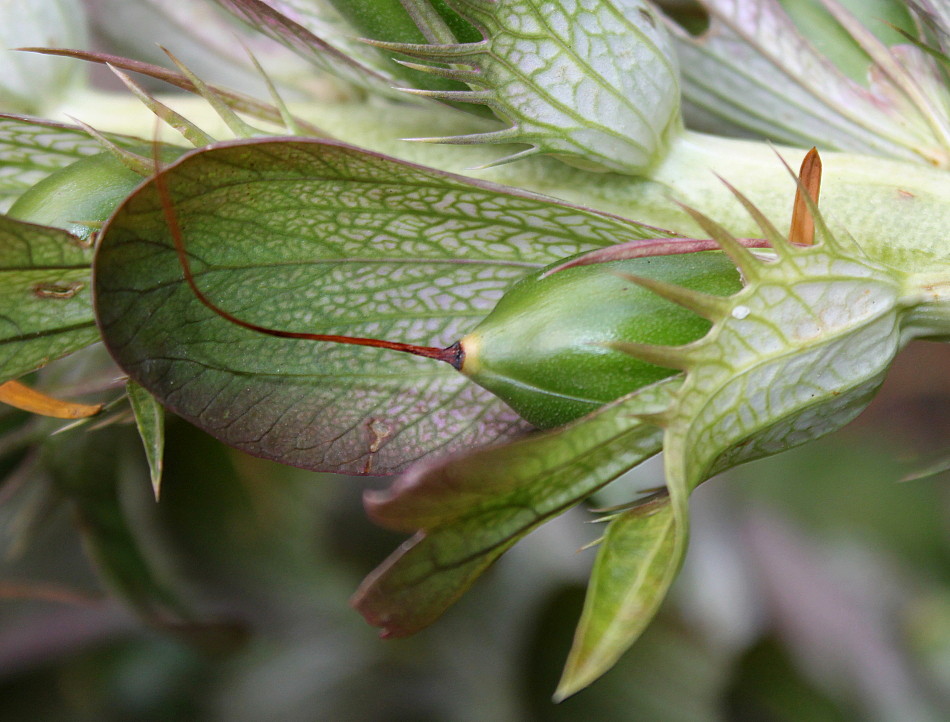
(741, 312)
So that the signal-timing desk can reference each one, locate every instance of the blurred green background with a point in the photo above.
(817, 587)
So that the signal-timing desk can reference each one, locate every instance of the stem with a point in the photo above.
(928, 296)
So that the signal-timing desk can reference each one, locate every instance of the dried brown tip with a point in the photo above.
(802, 230)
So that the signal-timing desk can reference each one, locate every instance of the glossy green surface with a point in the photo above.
(388, 21)
(379, 20)
(78, 197)
(544, 349)
(382, 20)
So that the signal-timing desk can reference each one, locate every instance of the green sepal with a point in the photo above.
(469, 509)
(636, 562)
(150, 422)
(801, 354)
(802, 351)
(33, 148)
(79, 197)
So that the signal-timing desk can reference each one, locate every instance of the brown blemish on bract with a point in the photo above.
(52, 289)
(380, 431)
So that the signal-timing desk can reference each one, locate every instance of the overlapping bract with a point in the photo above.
(753, 57)
(594, 84)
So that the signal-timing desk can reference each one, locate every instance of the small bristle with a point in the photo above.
(666, 356)
(191, 132)
(648, 248)
(451, 96)
(235, 123)
(504, 160)
(447, 53)
(746, 262)
(133, 161)
(777, 241)
(290, 122)
(706, 305)
(463, 75)
(508, 135)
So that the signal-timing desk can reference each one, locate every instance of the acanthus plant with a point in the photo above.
(246, 285)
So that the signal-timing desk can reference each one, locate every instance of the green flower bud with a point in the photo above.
(78, 197)
(545, 348)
